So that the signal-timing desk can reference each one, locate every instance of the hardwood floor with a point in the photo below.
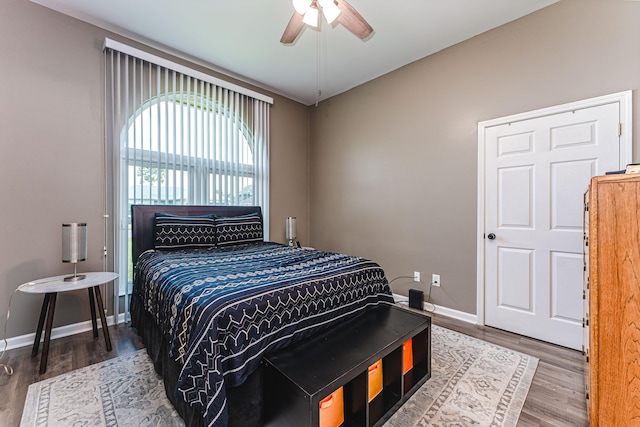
(555, 398)
(65, 355)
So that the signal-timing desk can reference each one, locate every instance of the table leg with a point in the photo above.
(103, 319)
(92, 306)
(43, 313)
(47, 333)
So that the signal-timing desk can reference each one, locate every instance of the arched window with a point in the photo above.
(181, 149)
(184, 149)
(175, 135)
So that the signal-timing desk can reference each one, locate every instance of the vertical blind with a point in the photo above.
(176, 136)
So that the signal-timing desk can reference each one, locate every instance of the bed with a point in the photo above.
(211, 298)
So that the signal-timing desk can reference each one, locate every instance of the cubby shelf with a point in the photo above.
(297, 378)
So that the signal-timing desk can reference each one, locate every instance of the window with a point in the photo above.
(183, 149)
(177, 136)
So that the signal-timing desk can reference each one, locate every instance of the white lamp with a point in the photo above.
(301, 5)
(311, 10)
(292, 231)
(74, 247)
(311, 16)
(330, 10)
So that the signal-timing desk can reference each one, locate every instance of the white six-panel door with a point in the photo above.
(535, 174)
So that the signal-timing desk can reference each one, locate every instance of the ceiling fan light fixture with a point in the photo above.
(307, 12)
(331, 12)
(311, 17)
(301, 6)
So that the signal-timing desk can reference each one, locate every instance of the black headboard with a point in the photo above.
(143, 221)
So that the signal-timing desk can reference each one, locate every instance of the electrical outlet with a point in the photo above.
(416, 276)
(435, 280)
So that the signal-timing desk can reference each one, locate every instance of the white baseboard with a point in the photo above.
(454, 314)
(400, 298)
(59, 332)
(445, 311)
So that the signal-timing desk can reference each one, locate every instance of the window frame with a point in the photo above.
(199, 171)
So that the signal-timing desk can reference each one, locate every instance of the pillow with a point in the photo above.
(174, 231)
(234, 230)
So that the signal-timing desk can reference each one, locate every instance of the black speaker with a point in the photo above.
(416, 299)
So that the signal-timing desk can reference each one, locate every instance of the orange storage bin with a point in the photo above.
(332, 409)
(407, 356)
(375, 379)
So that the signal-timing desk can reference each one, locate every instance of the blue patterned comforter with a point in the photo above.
(221, 309)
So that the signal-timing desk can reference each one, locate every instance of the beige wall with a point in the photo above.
(394, 161)
(51, 122)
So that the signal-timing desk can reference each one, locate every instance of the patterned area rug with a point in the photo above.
(125, 391)
(473, 383)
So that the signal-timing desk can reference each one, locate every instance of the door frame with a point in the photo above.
(626, 140)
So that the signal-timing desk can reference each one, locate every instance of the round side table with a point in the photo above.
(50, 286)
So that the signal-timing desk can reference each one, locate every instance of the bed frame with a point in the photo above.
(244, 403)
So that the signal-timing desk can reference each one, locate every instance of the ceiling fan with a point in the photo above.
(308, 12)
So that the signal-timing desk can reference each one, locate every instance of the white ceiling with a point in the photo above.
(242, 37)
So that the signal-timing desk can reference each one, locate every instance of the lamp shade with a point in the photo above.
(311, 17)
(331, 12)
(301, 5)
(291, 228)
(74, 242)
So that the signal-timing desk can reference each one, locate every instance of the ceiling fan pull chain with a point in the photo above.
(318, 68)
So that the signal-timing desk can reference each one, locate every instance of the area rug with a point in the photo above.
(473, 383)
(125, 391)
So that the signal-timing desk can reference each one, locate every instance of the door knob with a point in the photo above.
(491, 236)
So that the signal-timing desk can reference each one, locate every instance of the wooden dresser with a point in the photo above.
(612, 300)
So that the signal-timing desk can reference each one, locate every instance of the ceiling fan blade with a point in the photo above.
(353, 21)
(293, 29)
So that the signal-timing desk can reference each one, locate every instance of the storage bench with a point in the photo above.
(298, 378)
